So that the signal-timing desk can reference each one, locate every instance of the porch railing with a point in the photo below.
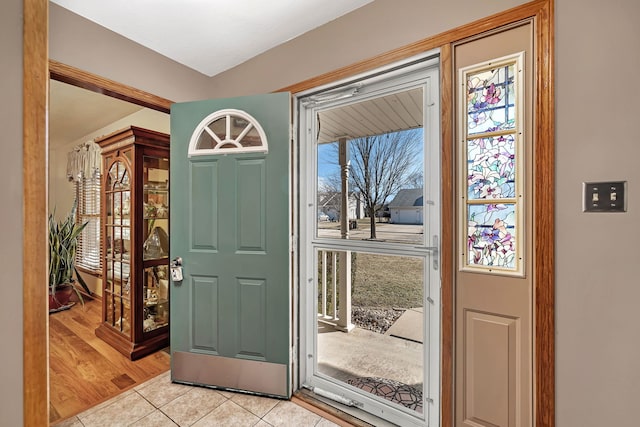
(334, 288)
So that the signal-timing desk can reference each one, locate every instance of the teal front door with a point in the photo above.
(230, 231)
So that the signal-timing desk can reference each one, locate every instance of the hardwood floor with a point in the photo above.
(84, 370)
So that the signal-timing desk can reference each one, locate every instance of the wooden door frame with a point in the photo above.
(542, 13)
(37, 69)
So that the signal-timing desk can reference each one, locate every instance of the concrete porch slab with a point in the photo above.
(363, 353)
(409, 326)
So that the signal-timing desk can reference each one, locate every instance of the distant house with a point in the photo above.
(407, 207)
(329, 205)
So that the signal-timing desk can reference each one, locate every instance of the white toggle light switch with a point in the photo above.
(604, 196)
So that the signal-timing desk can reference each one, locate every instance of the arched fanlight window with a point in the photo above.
(228, 131)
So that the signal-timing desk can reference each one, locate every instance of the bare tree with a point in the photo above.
(381, 165)
(415, 180)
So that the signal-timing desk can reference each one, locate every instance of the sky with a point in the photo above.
(327, 158)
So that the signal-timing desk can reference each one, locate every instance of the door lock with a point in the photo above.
(176, 269)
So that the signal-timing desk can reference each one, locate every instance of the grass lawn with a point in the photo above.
(386, 281)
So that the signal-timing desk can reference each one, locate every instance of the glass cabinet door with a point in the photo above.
(155, 312)
(118, 277)
(135, 248)
(156, 242)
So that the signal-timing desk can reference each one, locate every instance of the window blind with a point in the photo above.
(88, 254)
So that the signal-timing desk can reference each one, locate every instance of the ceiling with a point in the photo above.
(215, 35)
(75, 112)
(221, 35)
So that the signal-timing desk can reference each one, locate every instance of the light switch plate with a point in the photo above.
(604, 196)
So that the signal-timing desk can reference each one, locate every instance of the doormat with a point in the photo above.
(394, 391)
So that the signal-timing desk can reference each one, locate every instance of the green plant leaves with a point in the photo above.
(63, 242)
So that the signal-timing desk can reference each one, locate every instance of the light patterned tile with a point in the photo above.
(106, 403)
(165, 376)
(227, 394)
(288, 413)
(193, 405)
(121, 413)
(228, 414)
(263, 423)
(326, 423)
(257, 405)
(155, 419)
(71, 422)
(161, 391)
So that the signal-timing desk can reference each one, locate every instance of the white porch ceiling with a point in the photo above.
(389, 113)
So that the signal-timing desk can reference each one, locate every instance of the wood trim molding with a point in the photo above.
(518, 13)
(447, 259)
(544, 280)
(35, 96)
(76, 77)
(37, 71)
(544, 214)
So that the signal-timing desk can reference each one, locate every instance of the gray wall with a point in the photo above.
(598, 347)
(597, 288)
(79, 42)
(11, 212)
(366, 32)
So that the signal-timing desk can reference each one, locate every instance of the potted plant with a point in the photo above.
(63, 241)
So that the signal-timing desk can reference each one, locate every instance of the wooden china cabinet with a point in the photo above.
(135, 245)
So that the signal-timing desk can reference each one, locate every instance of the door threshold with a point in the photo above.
(340, 414)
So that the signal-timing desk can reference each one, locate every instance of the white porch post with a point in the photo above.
(344, 311)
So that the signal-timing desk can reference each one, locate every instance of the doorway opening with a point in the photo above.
(369, 230)
(82, 108)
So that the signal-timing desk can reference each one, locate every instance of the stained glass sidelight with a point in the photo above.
(491, 145)
(491, 167)
(491, 100)
(491, 235)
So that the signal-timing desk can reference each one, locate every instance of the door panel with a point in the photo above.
(204, 210)
(490, 374)
(231, 216)
(494, 327)
(251, 318)
(205, 313)
(252, 221)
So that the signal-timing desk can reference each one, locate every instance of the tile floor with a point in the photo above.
(160, 403)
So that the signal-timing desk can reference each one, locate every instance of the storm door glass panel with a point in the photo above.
(384, 354)
(381, 171)
(372, 223)
(492, 202)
